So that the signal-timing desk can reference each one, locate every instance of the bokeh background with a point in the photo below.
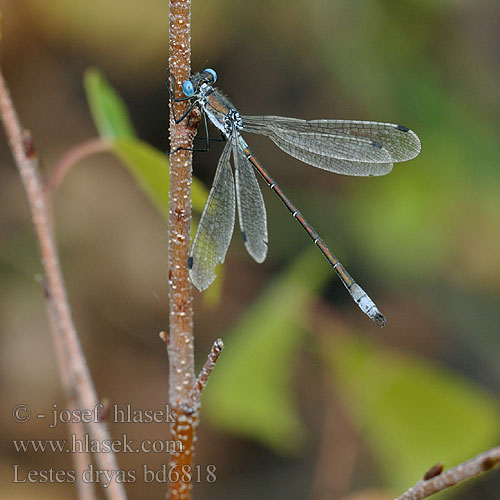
(309, 400)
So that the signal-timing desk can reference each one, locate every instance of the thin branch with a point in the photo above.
(202, 379)
(440, 481)
(180, 344)
(81, 460)
(71, 158)
(27, 163)
(180, 348)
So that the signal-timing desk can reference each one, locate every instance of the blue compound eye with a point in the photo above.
(188, 89)
(212, 72)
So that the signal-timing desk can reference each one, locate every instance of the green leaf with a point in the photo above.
(149, 167)
(109, 112)
(250, 391)
(411, 412)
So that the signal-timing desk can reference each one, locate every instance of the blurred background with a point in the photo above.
(309, 400)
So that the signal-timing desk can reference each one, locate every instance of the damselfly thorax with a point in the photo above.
(219, 110)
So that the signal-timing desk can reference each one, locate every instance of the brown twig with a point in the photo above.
(204, 375)
(180, 339)
(72, 157)
(81, 382)
(472, 468)
(81, 460)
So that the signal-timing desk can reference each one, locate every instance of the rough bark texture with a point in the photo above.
(180, 338)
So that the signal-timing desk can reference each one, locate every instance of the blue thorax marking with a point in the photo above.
(225, 122)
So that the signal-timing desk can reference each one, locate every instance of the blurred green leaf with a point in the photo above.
(411, 412)
(149, 167)
(250, 391)
(109, 112)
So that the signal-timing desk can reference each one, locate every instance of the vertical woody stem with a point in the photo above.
(180, 343)
(60, 312)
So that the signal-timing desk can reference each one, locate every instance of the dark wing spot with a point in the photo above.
(190, 262)
(244, 236)
(377, 144)
(403, 128)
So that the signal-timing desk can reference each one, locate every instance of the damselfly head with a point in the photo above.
(190, 87)
(207, 76)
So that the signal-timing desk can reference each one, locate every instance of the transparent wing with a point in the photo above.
(216, 226)
(342, 146)
(251, 208)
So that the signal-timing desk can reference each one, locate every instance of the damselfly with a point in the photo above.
(347, 147)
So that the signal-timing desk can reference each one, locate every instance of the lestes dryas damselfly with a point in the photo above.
(360, 148)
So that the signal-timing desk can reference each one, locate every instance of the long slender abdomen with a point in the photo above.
(357, 293)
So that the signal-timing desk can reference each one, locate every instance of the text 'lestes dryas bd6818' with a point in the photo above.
(348, 147)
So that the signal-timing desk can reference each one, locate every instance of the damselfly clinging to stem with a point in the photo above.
(343, 146)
